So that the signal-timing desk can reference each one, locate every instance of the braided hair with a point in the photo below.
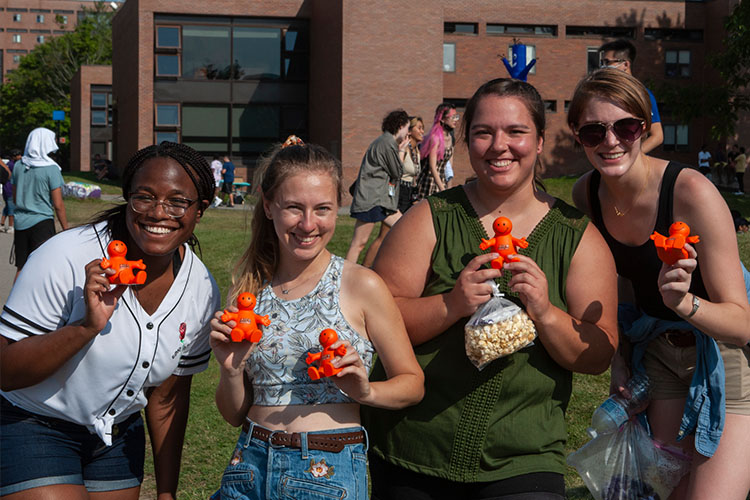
(191, 161)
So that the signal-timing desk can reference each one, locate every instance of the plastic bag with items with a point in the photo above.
(498, 328)
(628, 464)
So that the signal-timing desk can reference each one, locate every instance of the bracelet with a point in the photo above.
(696, 305)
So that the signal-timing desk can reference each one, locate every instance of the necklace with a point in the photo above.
(621, 213)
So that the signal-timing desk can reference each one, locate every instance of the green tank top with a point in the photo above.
(508, 419)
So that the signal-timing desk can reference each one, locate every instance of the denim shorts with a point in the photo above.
(258, 469)
(10, 208)
(375, 214)
(42, 451)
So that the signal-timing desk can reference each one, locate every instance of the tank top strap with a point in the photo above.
(332, 277)
(666, 198)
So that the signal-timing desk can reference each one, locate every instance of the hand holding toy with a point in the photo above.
(503, 243)
(247, 321)
(671, 249)
(325, 368)
(123, 268)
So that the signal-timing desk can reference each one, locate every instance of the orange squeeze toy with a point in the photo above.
(327, 338)
(671, 249)
(247, 321)
(124, 268)
(503, 243)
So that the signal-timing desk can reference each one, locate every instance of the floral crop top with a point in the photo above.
(277, 366)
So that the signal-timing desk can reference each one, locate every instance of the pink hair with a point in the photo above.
(436, 135)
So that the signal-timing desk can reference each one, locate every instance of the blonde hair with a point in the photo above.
(257, 265)
(624, 90)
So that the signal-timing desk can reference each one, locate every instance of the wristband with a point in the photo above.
(696, 305)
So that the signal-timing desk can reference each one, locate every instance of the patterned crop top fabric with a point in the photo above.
(277, 366)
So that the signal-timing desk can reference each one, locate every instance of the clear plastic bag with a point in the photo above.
(498, 328)
(628, 465)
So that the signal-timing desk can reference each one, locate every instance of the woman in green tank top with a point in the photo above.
(500, 431)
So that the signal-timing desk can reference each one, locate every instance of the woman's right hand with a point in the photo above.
(99, 299)
(230, 355)
(471, 289)
(619, 376)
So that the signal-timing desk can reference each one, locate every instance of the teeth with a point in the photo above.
(309, 239)
(500, 163)
(157, 229)
(612, 156)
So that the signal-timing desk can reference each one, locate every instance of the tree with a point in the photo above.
(721, 103)
(41, 83)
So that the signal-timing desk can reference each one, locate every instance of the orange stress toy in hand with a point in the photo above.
(503, 243)
(247, 321)
(124, 268)
(328, 337)
(671, 249)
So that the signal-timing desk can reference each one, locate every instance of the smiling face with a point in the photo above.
(303, 210)
(417, 132)
(503, 142)
(155, 233)
(117, 248)
(502, 226)
(613, 157)
(246, 301)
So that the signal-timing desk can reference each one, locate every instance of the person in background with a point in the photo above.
(620, 54)
(37, 194)
(436, 151)
(80, 358)
(499, 432)
(227, 173)
(301, 434)
(704, 161)
(686, 324)
(740, 165)
(411, 160)
(216, 168)
(7, 188)
(376, 192)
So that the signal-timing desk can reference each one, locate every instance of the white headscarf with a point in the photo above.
(39, 144)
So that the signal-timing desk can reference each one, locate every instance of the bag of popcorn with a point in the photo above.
(498, 328)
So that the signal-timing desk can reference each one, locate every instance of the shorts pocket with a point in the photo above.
(238, 482)
(293, 488)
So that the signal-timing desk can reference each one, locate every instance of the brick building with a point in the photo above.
(235, 76)
(90, 116)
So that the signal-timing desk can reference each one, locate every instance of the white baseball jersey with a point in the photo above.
(104, 382)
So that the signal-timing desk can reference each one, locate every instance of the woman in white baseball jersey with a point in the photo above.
(299, 434)
(79, 359)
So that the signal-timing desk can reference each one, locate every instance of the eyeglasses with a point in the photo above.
(606, 63)
(627, 130)
(454, 118)
(174, 207)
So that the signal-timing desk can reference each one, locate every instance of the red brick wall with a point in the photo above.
(80, 113)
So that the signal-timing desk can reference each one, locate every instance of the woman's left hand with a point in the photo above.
(674, 281)
(530, 282)
(353, 379)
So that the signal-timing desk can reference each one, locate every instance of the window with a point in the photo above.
(521, 29)
(160, 137)
(16, 38)
(167, 115)
(296, 54)
(40, 39)
(674, 34)
(600, 31)
(40, 18)
(567, 106)
(98, 100)
(449, 57)
(206, 52)
(676, 137)
(592, 59)
(462, 28)
(550, 106)
(167, 65)
(530, 54)
(98, 117)
(256, 53)
(16, 58)
(677, 63)
(101, 112)
(168, 37)
(16, 18)
(62, 19)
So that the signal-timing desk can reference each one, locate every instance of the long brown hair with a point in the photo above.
(257, 265)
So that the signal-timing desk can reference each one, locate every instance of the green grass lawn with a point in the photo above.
(209, 441)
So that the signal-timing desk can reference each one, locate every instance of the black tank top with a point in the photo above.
(640, 264)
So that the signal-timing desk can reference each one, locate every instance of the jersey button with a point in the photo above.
(149, 325)
(112, 412)
(130, 392)
(146, 364)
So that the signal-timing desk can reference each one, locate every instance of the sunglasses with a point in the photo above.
(627, 130)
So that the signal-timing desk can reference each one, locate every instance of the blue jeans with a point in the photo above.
(258, 469)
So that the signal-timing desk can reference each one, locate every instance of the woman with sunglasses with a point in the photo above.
(499, 432)
(79, 358)
(690, 318)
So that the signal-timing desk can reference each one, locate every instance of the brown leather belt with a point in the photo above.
(679, 338)
(323, 442)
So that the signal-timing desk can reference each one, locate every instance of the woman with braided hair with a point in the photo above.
(79, 359)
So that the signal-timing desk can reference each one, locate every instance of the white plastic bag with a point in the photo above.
(628, 465)
(498, 328)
